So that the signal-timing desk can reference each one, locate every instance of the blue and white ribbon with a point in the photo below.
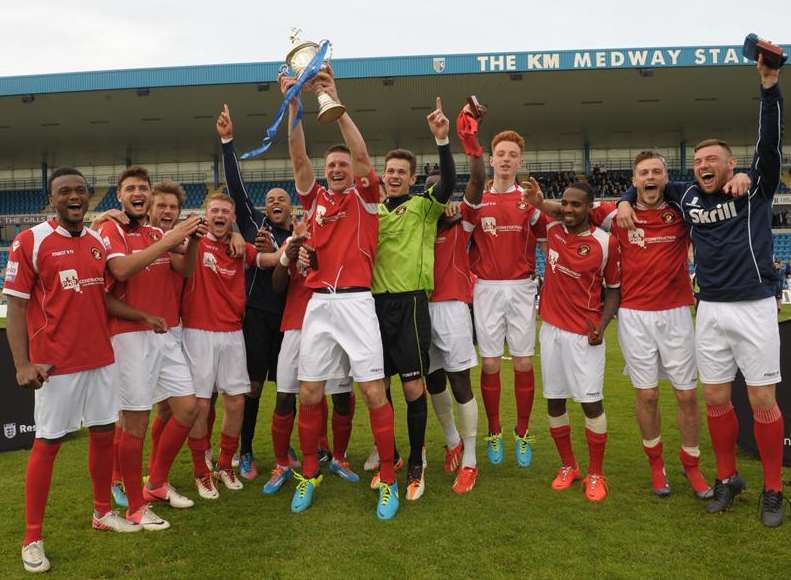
(293, 93)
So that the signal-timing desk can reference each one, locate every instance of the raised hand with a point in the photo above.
(181, 231)
(533, 194)
(224, 124)
(438, 122)
(769, 76)
(738, 185)
(263, 241)
(324, 82)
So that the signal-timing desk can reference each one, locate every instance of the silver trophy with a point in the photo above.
(297, 60)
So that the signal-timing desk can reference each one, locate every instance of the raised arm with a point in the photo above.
(248, 218)
(768, 156)
(440, 127)
(304, 177)
(361, 163)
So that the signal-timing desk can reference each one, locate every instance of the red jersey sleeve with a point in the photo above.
(612, 268)
(114, 241)
(250, 256)
(308, 198)
(20, 275)
(368, 186)
(538, 223)
(603, 214)
(469, 214)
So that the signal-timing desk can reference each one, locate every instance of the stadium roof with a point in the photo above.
(558, 99)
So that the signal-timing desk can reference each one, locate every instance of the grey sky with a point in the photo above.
(69, 35)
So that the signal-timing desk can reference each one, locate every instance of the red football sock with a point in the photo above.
(171, 440)
(100, 465)
(655, 455)
(562, 438)
(490, 390)
(198, 447)
(228, 446)
(524, 388)
(384, 439)
(769, 431)
(157, 426)
(282, 426)
(309, 431)
(596, 445)
(37, 482)
(691, 466)
(325, 413)
(211, 417)
(341, 432)
(131, 455)
(116, 453)
(724, 429)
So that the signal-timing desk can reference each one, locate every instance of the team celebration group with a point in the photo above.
(143, 310)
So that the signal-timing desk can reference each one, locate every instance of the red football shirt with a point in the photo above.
(452, 276)
(504, 237)
(654, 261)
(150, 290)
(62, 277)
(214, 297)
(344, 228)
(297, 300)
(577, 264)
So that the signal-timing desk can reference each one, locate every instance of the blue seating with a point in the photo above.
(109, 201)
(22, 201)
(196, 193)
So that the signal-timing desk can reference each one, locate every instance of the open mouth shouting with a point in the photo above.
(708, 179)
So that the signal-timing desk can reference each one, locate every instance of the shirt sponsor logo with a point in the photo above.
(11, 270)
(320, 211)
(637, 237)
(489, 225)
(721, 213)
(553, 257)
(210, 261)
(70, 280)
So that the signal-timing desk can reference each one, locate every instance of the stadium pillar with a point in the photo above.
(586, 157)
(216, 170)
(682, 155)
(44, 176)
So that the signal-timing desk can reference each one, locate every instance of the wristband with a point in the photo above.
(441, 142)
(284, 260)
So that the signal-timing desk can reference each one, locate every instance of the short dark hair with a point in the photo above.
(585, 187)
(648, 154)
(404, 154)
(339, 148)
(168, 186)
(137, 171)
(60, 172)
(710, 142)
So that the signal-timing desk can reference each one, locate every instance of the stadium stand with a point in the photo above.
(22, 201)
(196, 193)
(109, 201)
(782, 247)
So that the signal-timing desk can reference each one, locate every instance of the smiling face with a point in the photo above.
(714, 166)
(278, 207)
(134, 193)
(575, 209)
(338, 171)
(164, 211)
(506, 160)
(398, 177)
(650, 179)
(221, 216)
(69, 196)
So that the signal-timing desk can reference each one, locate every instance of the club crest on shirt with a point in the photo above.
(97, 254)
(583, 250)
(637, 236)
(522, 205)
(668, 217)
(15, 245)
(401, 210)
(320, 211)
(489, 225)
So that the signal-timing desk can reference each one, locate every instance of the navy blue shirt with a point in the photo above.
(260, 294)
(732, 237)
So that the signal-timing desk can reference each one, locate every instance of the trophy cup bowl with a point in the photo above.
(297, 60)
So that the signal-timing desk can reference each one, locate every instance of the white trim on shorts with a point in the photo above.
(570, 367)
(738, 335)
(67, 402)
(452, 348)
(505, 312)
(658, 344)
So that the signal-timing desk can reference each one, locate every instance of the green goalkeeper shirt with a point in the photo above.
(405, 250)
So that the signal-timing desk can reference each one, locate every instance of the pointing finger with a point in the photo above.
(439, 104)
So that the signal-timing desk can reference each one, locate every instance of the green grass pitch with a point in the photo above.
(512, 524)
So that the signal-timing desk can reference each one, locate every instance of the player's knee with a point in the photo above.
(436, 382)
(523, 364)
(491, 365)
(762, 397)
(413, 390)
(374, 394)
(687, 400)
(462, 388)
(136, 423)
(285, 404)
(716, 395)
(593, 410)
(556, 407)
(311, 393)
(233, 404)
(342, 404)
(255, 390)
(95, 428)
(647, 397)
